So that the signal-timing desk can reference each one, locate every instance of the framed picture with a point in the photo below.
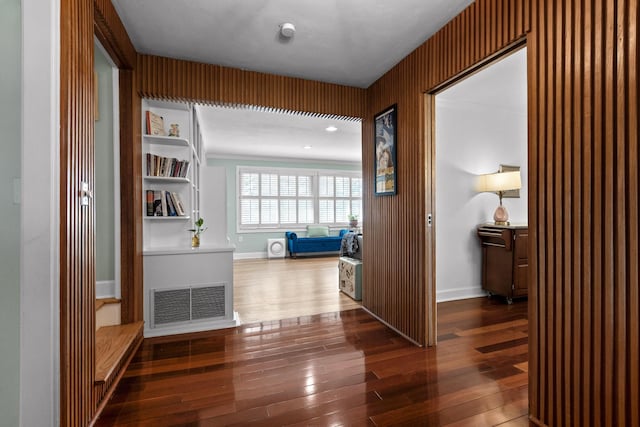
(385, 152)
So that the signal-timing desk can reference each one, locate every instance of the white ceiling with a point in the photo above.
(249, 134)
(349, 42)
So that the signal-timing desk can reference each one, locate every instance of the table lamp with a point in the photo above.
(499, 183)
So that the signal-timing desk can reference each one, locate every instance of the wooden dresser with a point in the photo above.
(504, 260)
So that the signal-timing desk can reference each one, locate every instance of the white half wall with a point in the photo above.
(481, 123)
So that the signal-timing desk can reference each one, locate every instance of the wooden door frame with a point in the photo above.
(429, 98)
(130, 236)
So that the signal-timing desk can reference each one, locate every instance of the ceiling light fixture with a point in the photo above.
(331, 128)
(287, 29)
(307, 147)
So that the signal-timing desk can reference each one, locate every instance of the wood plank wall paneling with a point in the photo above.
(394, 271)
(130, 195)
(77, 253)
(79, 397)
(583, 159)
(583, 213)
(112, 35)
(174, 79)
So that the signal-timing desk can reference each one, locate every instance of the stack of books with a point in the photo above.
(167, 167)
(164, 203)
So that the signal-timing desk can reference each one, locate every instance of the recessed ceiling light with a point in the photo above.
(331, 129)
(307, 147)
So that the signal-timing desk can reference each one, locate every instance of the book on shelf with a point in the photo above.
(166, 167)
(155, 124)
(171, 210)
(149, 202)
(177, 203)
(157, 203)
(185, 169)
(163, 201)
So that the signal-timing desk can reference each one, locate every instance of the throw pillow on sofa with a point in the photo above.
(317, 231)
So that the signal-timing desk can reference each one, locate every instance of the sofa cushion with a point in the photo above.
(317, 231)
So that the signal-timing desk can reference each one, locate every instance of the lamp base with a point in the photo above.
(501, 216)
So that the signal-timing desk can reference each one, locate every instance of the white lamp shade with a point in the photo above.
(501, 181)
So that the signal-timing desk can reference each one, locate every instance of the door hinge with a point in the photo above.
(85, 194)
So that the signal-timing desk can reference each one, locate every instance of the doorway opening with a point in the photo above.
(280, 172)
(475, 126)
(107, 188)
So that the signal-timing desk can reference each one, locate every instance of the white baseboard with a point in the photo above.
(249, 255)
(460, 293)
(106, 289)
(193, 327)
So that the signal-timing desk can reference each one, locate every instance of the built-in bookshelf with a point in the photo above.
(185, 289)
(171, 168)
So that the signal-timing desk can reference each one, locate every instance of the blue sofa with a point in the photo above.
(297, 245)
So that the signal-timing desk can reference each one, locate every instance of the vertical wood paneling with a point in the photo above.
(394, 268)
(77, 270)
(583, 160)
(78, 20)
(168, 78)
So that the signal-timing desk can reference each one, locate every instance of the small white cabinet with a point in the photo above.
(188, 290)
(350, 277)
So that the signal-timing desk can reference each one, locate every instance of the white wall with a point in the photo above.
(10, 224)
(104, 193)
(480, 124)
(39, 284)
(213, 204)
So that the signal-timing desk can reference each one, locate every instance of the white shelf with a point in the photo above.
(166, 218)
(163, 231)
(167, 179)
(180, 251)
(167, 140)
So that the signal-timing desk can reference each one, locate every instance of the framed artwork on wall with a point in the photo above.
(385, 152)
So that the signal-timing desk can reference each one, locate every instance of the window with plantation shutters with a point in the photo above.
(292, 198)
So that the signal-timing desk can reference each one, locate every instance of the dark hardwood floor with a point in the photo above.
(334, 369)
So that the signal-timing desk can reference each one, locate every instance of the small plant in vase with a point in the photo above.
(353, 221)
(199, 229)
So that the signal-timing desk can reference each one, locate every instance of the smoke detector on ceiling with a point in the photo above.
(287, 29)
